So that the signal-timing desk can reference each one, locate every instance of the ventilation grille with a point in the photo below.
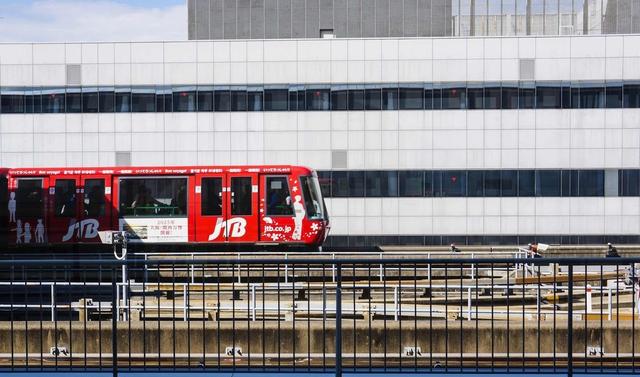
(339, 159)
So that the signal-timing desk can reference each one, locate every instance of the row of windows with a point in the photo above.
(437, 240)
(416, 96)
(474, 183)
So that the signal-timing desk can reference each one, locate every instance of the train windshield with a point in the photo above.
(312, 198)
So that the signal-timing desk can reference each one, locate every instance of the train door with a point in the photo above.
(64, 211)
(209, 208)
(96, 207)
(242, 207)
(27, 211)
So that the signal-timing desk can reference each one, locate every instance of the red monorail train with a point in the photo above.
(230, 206)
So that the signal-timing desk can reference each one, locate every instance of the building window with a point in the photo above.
(184, 100)
(381, 183)
(339, 96)
(205, 99)
(548, 183)
(411, 98)
(454, 183)
(318, 99)
(475, 183)
(356, 98)
(143, 101)
(411, 183)
(276, 99)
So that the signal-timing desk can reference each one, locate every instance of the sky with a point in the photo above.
(92, 20)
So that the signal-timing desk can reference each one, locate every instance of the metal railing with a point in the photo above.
(421, 315)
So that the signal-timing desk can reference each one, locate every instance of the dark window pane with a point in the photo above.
(591, 96)
(527, 96)
(205, 100)
(548, 97)
(33, 102)
(90, 101)
(356, 99)
(184, 101)
(428, 97)
(142, 102)
(526, 183)
(454, 183)
(492, 182)
(278, 198)
(591, 182)
(356, 184)
(411, 98)
(123, 102)
(475, 98)
(411, 183)
(381, 183)
(238, 100)
(629, 182)
(340, 184)
(436, 93)
(614, 96)
(94, 197)
(566, 96)
(74, 101)
(153, 197)
(428, 184)
(29, 199)
(53, 102)
(373, 99)
(12, 103)
(107, 102)
(65, 198)
(211, 197)
(492, 97)
(548, 183)
(318, 99)
(475, 183)
(297, 100)
(324, 178)
(221, 100)
(241, 203)
(509, 182)
(454, 98)
(254, 99)
(276, 99)
(339, 98)
(509, 98)
(632, 96)
(390, 99)
(569, 183)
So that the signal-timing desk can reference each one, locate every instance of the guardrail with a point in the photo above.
(421, 315)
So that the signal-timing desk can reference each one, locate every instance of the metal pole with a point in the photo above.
(338, 356)
(114, 324)
(570, 325)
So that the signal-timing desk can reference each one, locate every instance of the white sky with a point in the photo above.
(92, 20)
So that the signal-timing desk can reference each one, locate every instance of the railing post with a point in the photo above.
(114, 323)
(338, 357)
(53, 302)
(570, 325)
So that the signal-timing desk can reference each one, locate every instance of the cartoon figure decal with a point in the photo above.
(40, 232)
(299, 212)
(18, 231)
(27, 233)
(12, 207)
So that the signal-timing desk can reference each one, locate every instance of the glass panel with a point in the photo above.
(632, 95)
(356, 98)
(53, 101)
(548, 183)
(527, 95)
(475, 185)
(373, 99)
(94, 199)
(324, 178)
(509, 96)
(411, 98)
(313, 202)
(629, 182)
(241, 196)
(526, 183)
(143, 100)
(428, 184)
(29, 199)
(65, 198)
(184, 100)
(411, 183)
(33, 101)
(318, 98)
(276, 99)
(340, 184)
(279, 201)
(74, 100)
(239, 99)
(221, 99)
(428, 97)
(153, 197)
(591, 182)
(106, 101)
(356, 184)
(548, 97)
(492, 182)
(390, 99)
(453, 98)
(509, 183)
(90, 100)
(591, 96)
(492, 97)
(211, 196)
(475, 94)
(12, 101)
(205, 99)
(381, 183)
(123, 101)
(614, 95)
(454, 183)
(339, 98)
(255, 99)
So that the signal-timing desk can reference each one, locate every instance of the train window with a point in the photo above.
(94, 200)
(241, 196)
(153, 197)
(29, 199)
(312, 199)
(211, 197)
(65, 198)
(279, 201)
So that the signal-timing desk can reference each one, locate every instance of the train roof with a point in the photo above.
(155, 170)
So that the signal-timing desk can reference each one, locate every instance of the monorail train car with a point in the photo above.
(229, 206)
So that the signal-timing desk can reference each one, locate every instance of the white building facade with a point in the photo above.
(497, 140)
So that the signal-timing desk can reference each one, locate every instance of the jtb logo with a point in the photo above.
(84, 229)
(232, 228)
